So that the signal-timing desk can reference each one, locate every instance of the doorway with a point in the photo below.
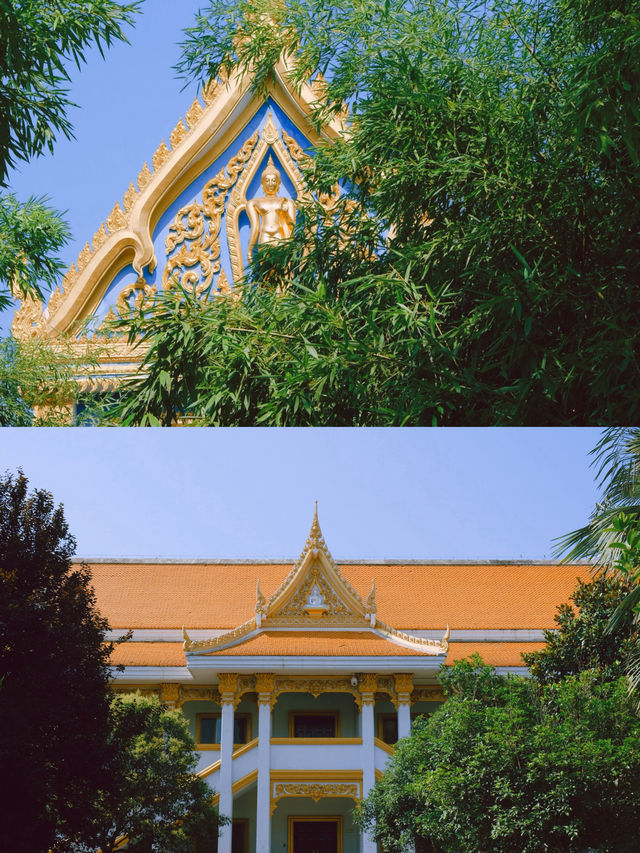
(315, 834)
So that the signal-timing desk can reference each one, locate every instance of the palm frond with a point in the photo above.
(623, 610)
(616, 458)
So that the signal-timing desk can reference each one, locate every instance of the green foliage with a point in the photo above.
(483, 268)
(14, 410)
(612, 536)
(616, 458)
(580, 640)
(148, 791)
(510, 766)
(38, 43)
(54, 674)
(31, 236)
(39, 382)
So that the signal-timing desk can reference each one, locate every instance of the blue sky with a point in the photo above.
(127, 103)
(446, 493)
(382, 493)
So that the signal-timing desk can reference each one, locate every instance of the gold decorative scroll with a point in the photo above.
(338, 613)
(316, 790)
(174, 694)
(192, 248)
(430, 693)
(143, 296)
(316, 686)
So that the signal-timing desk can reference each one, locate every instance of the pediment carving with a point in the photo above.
(315, 596)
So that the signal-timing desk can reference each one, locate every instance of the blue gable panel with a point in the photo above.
(193, 195)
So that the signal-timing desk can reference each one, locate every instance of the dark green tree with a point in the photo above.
(54, 671)
(511, 766)
(148, 791)
(482, 267)
(581, 641)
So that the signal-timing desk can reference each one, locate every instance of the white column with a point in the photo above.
(226, 759)
(263, 793)
(404, 686)
(367, 845)
(404, 715)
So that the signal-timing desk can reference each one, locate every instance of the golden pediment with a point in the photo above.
(128, 238)
(315, 592)
(315, 596)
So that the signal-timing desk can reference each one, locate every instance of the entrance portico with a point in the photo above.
(305, 674)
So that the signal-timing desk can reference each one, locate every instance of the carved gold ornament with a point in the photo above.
(193, 243)
(315, 592)
(143, 297)
(271, 216)
(429, 693)
(316, 790)
(174, 694)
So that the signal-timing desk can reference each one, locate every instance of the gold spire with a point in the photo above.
(315, 534)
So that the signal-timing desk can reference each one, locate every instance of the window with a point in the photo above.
(388, 727)
(209, 729)
(313, 724)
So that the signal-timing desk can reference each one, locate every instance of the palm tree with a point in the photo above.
(611, 538)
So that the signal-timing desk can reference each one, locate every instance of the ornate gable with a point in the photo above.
(191, 214)
(315, 593)
(314, 598)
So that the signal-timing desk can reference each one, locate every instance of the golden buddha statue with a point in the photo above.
(271, 217)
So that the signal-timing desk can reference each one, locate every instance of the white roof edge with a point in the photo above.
(153, 674)
(486, 635)
(277, 561)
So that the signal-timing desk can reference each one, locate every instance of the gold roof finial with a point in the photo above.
(315, 534)
(187, 640)
(261, 601)
(371, 600)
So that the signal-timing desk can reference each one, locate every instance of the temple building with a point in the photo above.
(228, 180)
(297, 681)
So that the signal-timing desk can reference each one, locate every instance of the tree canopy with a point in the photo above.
(148, 791)
(581, 639)
(54, 673)
(508, 766)
(482, 264)
(518, 765)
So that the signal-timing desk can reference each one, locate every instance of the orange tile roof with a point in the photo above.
(408, 596)
(334, 643)
(171, 654)
(148, 654)
(496, 654)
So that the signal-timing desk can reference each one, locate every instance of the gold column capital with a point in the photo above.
(404, 686)
(265, 688)
(367, 686)
(228, 688)
(170, 694)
